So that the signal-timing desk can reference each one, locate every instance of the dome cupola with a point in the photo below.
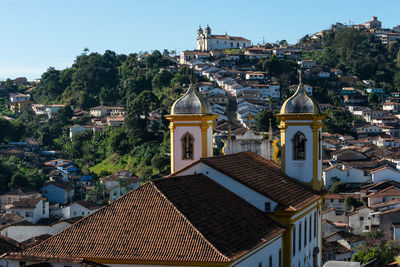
(191, 103)
(300, 102)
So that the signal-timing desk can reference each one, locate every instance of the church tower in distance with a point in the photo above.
(301, 129)
(191, 129)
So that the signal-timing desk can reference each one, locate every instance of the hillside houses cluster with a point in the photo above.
(343, 226)
(373, 26)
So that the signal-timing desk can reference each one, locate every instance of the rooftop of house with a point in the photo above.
(334, 246)
(349, 237)
(26, 203)
(148, 224)
(87, 204)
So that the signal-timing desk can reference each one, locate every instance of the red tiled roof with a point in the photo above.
(26, 203)
(227, 37)
(164, 220)
(263, 176)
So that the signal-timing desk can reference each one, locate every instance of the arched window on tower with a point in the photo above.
(299, 146)
(187, 146)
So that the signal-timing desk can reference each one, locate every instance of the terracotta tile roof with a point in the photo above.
(164, 220)
(263, 176)
(389, 211)
(87, 204)
(31, 242)
(26, 203)
(389, 191)
(349, 237)
(334, 246)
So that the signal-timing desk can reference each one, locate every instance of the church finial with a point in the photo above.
(270, 130)
(300, 77)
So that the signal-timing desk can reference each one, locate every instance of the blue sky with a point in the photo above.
(36, 34)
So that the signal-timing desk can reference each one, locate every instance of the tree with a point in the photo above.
(160, 162)
(18, 181)
(350, 202)
(99, 190)
(262, 121)
(339, 187)
(376, 246)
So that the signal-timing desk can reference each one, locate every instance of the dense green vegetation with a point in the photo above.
(357, 53)
(107, 79)
(15, 174)
(376, 246)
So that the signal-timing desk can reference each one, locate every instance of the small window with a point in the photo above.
(260, 264)
(27, 214)
(267, 207)
(299, 146)
(367, 227)
(280, 257)
(294, 240)
(361, 218)
(299, 236)
(187, 146)
(270, 261)
(83, 213)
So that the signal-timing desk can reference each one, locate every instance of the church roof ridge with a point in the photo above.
(263, 176)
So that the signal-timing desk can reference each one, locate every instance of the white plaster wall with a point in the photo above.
(396, 233)
(178, 133)
(21, 233)
(301, 170)
(304, 256)
(251, 196)
(357, 225)
(385, 174)
(75, 210)
(262, 255)
(354, 176)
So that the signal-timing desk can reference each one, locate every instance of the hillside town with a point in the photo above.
(246, 109)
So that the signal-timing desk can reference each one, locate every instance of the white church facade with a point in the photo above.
(208, 42)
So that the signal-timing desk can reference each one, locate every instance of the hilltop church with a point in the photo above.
(232, 210)
(208, 42)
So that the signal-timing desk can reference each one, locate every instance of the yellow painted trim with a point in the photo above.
(204, 146)
(191, 117)
(283, 150)
(172, 146)
(192, 124)
(276, 150)
(316, 185)
(223, 148)
(300, 116)
(149, 262)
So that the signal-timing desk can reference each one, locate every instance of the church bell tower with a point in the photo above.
(191, 129)
(301, 130)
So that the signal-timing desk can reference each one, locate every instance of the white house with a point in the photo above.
(385, 173)
(119, 183)
(15, 98)
(360, 220)
(51, 109)
(79, 208)
(77, 129)
(345, 175)
(31, 209)
(255, 75)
